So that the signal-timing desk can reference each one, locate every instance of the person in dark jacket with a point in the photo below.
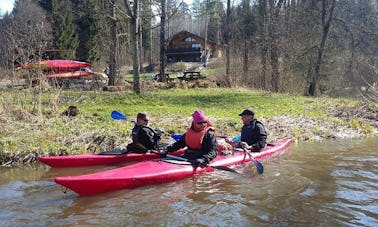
(200, 141)
(253, 134)
(144, 138)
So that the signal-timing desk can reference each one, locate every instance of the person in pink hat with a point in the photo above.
(200, 140)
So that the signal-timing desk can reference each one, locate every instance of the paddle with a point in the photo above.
(176, 137)
(259, 165)
(117, 115)
(225, 168)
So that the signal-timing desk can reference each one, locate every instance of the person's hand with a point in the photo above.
(169, 148)
(244, 145)
(159, 131)
(196, 162)
(157, 137)
(163, 153)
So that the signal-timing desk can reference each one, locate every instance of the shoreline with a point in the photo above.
(298, 128)
(27, 135)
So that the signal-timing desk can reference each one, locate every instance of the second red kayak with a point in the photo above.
(156, 172)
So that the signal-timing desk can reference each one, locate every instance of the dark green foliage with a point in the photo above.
(86, 23)
(64, 29)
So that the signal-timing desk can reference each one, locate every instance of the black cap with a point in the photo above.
(247, 112)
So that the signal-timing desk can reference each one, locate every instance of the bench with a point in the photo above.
(167, 77)
(191, 75)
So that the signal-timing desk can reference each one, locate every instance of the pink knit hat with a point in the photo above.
(198, 116)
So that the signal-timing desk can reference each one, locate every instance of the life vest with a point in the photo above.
(193, 139)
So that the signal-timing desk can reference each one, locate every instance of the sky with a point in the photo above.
(6, 5)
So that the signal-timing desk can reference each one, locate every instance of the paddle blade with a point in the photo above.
(176, 137)
(117, 115)
(225, 168)
(259, 166)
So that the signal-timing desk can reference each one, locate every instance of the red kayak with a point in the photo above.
(70, 75)
(103, 158)
(156, 172)
(59, 65)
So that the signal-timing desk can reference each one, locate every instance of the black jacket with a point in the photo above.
(207, 153)
(254, 134)
(145, 136)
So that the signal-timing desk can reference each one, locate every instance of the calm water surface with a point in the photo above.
(316, 184)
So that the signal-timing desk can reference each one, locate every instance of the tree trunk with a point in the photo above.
(274, 15)
(227, 40)
(325, 29)
(113, 44)
(150, 54)
(162, 41)
(135, 44)
(245, 58)
(141, 55)
(204, 56)
(263, 42)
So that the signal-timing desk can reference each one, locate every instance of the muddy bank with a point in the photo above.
(341, 122)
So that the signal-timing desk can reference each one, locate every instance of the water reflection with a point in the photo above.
(332, 184)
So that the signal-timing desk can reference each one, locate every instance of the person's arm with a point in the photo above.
(261, 140)
(209, 147)
(177, 145)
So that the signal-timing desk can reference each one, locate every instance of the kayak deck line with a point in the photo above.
(178, 162)
(155, 172)
(98, 159)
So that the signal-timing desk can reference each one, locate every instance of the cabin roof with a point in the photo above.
(184, 34)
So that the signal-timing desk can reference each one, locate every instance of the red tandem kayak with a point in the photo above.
(104, 158)
(155, 172)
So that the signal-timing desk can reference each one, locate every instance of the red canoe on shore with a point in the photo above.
(58, 65)
(71, 75)
(104, 158)
(156, 172)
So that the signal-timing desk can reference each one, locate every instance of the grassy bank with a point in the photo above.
(32, 124)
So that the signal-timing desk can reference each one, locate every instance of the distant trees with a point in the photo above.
(310, 47)
(24, 34)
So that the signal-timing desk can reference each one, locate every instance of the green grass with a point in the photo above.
(24, 130)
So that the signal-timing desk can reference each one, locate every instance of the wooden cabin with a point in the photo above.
(188, 47)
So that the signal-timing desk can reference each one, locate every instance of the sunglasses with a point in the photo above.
(201, 122)
(145, 120)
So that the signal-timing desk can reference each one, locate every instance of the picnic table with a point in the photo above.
(191, 75)
(167, 77)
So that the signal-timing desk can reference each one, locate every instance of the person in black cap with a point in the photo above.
(253, 134)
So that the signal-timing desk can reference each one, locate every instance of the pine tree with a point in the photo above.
(64, 29)
(86, 28)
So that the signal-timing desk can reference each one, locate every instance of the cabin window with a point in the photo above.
(196, 46)
(189, 39)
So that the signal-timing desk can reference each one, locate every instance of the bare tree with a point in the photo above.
(262, 21)
(227, 40)
(25, 34)
(327, 17)
(275, 8)
(133, 13)
(162, 40)
(113, 44)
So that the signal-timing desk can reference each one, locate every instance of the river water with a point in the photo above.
(334, 183)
